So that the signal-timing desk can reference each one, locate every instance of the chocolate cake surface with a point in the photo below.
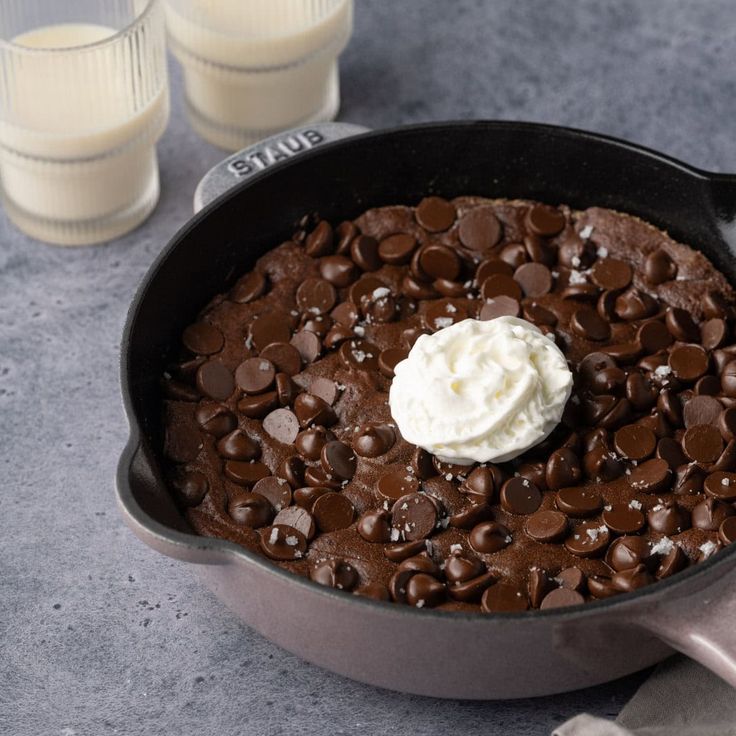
(279, 435)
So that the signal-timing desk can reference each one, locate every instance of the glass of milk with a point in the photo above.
(253, 68)
(83, 100)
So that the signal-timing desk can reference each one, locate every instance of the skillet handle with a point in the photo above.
(269, 152)
(701, 624)
(152, 516)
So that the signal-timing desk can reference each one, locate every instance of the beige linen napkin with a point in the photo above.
(681, 698)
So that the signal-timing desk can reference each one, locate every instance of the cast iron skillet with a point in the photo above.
(420, 651)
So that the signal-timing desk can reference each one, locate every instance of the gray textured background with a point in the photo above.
(100, 635)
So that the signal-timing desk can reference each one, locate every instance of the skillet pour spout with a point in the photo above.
(245, 210)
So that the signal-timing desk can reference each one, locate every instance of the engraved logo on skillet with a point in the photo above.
(262, 157)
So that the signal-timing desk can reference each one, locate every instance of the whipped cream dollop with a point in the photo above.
(480, 391)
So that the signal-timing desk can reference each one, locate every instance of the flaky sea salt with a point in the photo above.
(381, 291)
(708, 548)
(586, 232)
(663, 546)
(576, 277)
(442, 322)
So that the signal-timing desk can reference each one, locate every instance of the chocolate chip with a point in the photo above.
(611, 273)
(397, 249)
(215, 419)
(283, 543)
(292, 471)
(310, 409)
(716, 305)
(307, 345)
(416, 289)
(333, 511)
(727, 530)
(282, 425)
(388, 359)
(374, 591)
(544, 220)
(599, 587)
(421, 464)
(689, 479)
(471, 516)
(489, 537)
(562, 469)
(634, 304)
(572, 578)
(306, 496)
(710, 514)
(345, 314)
(640, 392)
(215, 380)
(250, 509)
(546, 526)
(538, 315)
(375, 526)
(561, 598)
(576, 501)
(435, 214)
(674, 561)
(414, 516)
(338, 460)
(668, 518)
(721, 485)
(373, 440)
(654, 336)
(275, 490)
(255, 375)
(623, 518)
(273, 326)
(681, 325)
(237, 445)
(652, 476)
(500, 306)
(659, 267)
(404, 550)
(316, 296)
(423, 590)
(345, 232)
(627, 552)
(258, 406)
(340, 271)
(727, 459)
(590, 325)
(364, 252)
(633, 579)
(441, 314)
(439, 262)
(635, 442)
(670, 406)
(310, 442)
(728, 379)
(335, 573)
(504, 598)
(245, 473)
(589, 539)
(538, 585)
(202, 338)
(248, 288)
(520, 496)
(670, 451)
(297, 518)
(701, 410)
(713, 333)
(321, 241)
(479, 228)
(396, 484)
(702, 443)
(535, 279)
(359, 355)
(708, 386)
(500, 285)
(191, 487)
(490, 267)
(688, 362)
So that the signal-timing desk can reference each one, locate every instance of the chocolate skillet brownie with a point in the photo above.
(279, 436)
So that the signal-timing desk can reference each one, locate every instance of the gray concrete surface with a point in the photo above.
(100, 635)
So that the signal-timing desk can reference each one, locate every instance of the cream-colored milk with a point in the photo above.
(261, 66)
(73, 148)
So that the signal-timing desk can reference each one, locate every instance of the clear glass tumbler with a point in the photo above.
(83, 100)
(255, 67)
